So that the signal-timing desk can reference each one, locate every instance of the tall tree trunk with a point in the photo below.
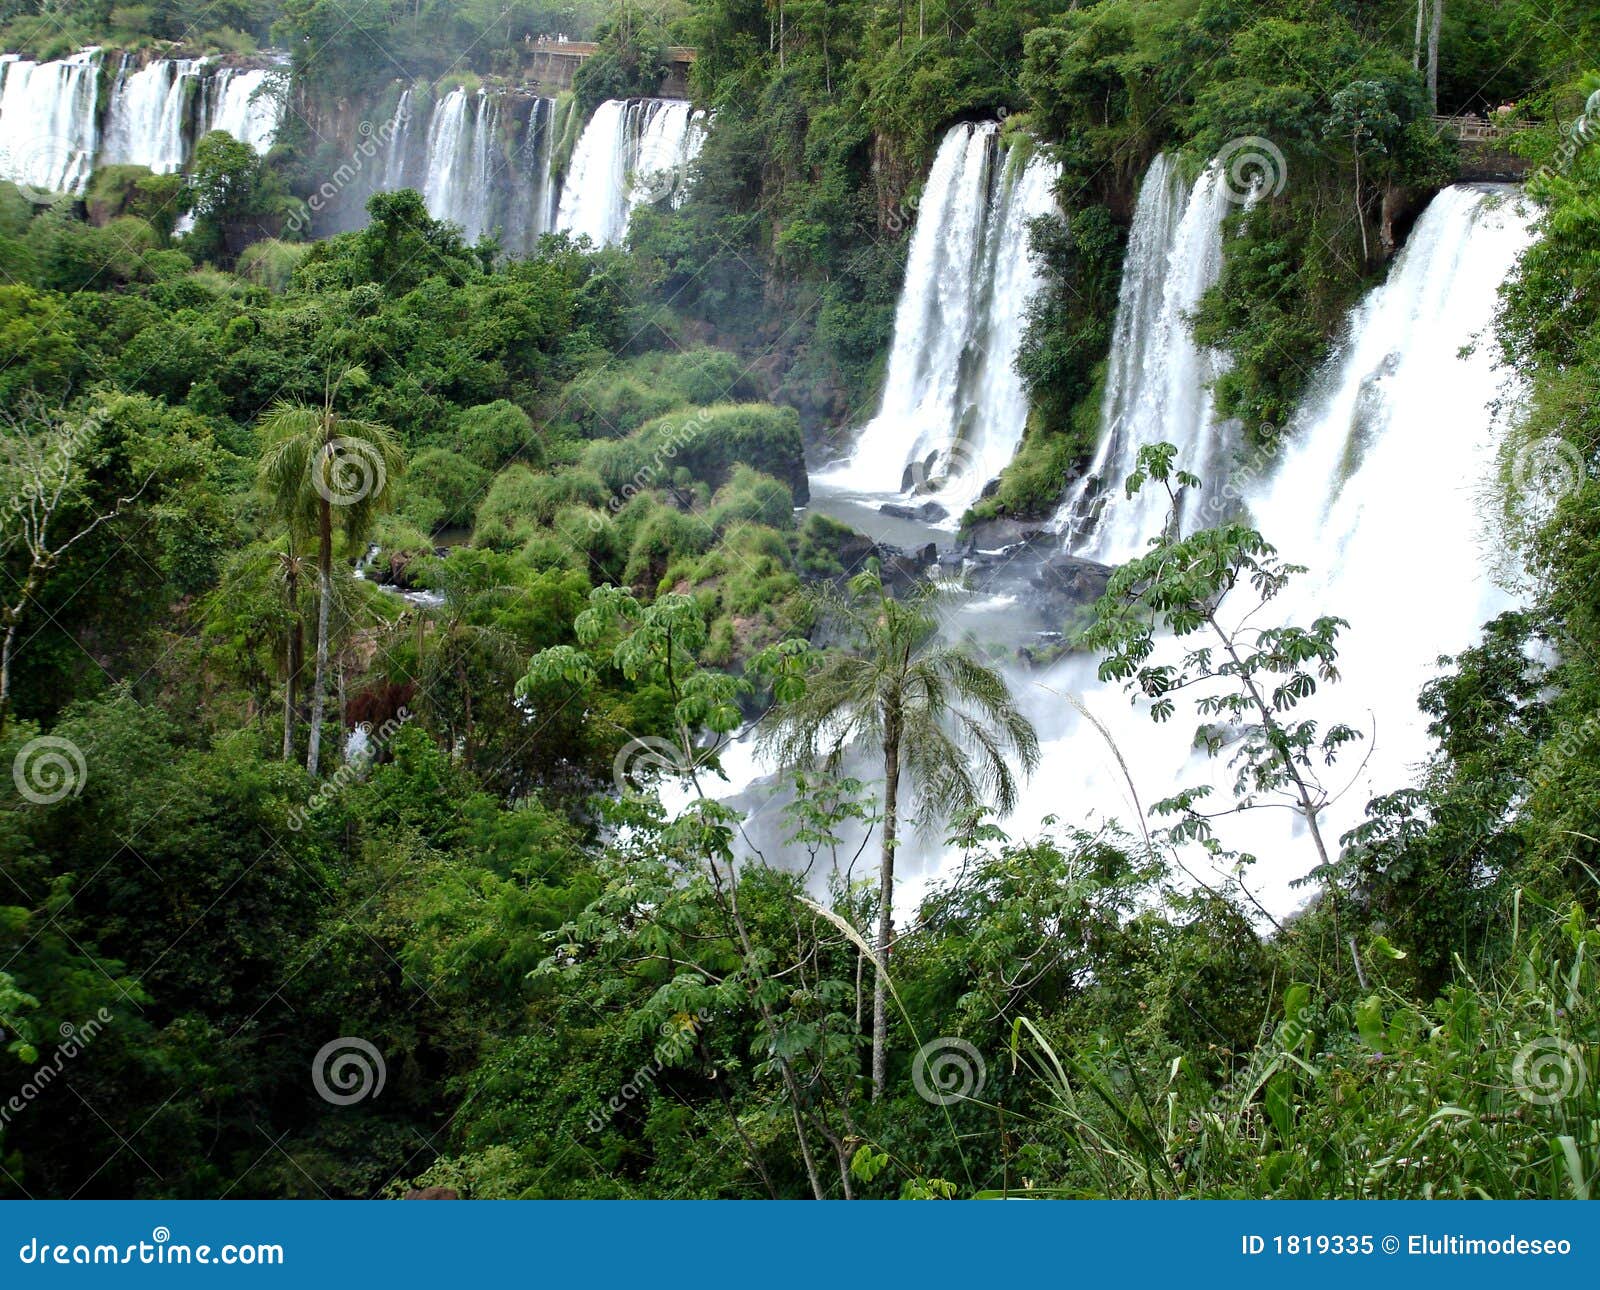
(5, 673)
(1361, 219)
(1433, 55)
(319, 692)
(296, 659)
(880, 988)
(12, 617)
(1416, 42)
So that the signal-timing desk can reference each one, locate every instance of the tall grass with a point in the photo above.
(1490, 1092)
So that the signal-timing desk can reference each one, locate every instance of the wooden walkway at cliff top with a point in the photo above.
(553, 63)
(1482, 148)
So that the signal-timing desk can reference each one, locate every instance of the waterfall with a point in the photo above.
(149, 121)
(672, 137)
(49, 113)
(1157, 378)
(396, 168)
(631, 152)
(49, 121)
(481, 159)
(461, 168)
(1375, 488)
(954, 407)
(239, 101)
(529, 206)
(1375, 491)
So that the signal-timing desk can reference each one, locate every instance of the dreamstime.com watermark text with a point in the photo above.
(159, 1250)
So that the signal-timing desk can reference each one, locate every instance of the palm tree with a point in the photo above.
(291, 568)
(316, 462)
(940, 718)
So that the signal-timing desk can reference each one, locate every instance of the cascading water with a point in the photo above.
(148, 123)
(1157, 378)
(49, 130)
(954, 406)
(530, 211)
(631, 152)
(460, 173)
(461, 154)
(1375, 491)
(155, 113)
(401, 126)
(239, 100)
(673, 135)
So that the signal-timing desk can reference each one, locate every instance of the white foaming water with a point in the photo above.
(460, 172)
(238, 101)
(1376, 494)
(1157, 378)
(155, 113)
(461, 153)
(395, 165)
(954, 406)
(151, 108)
(631, 152)
(49, 130)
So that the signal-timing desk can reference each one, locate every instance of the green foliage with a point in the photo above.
(578, 991)
(493, 433)
(1181, 588)
(443, 488)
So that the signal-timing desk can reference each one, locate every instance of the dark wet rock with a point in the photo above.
(998, 534)
(903, 568)
(926, 513)
(1078, 580)
(917, 474)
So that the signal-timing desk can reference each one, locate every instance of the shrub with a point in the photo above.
(450, 481)
(492, 433)
(750, 495)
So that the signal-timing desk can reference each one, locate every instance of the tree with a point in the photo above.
(43, 474)
(938, 717)
(1360, 113)
(657, 647)
(1435, 26)
(1180, 587)
(317, 461)
(291, 568)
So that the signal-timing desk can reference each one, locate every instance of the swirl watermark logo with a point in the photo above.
(1548, 1070)
(947, 1070)
(642, 760)
(1252, 168)
(45, 168)
(348, 1070)
(49, 769)
(937, 468)
(1547, 468)
(161, 1235)
(349, 471)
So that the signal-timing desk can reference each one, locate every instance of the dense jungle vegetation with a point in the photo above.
(593, 458)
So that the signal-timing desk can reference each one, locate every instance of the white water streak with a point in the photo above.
(954, 406)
